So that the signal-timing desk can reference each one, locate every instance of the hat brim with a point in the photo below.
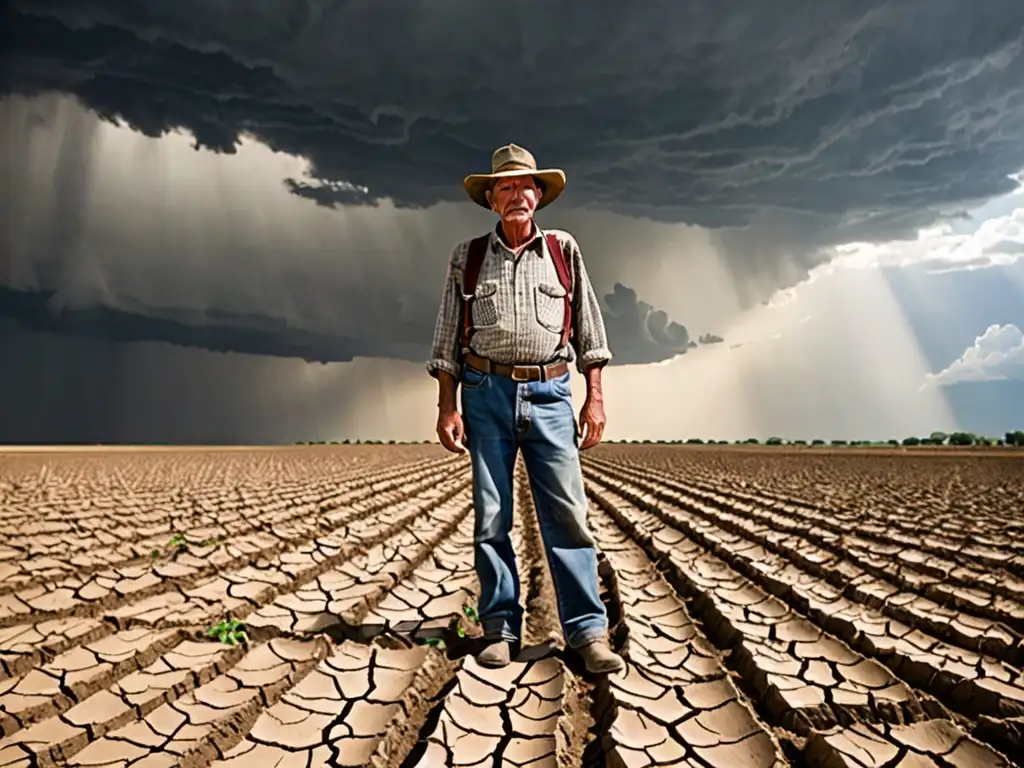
(551, 179)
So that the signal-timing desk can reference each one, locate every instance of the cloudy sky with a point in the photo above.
(228, 221)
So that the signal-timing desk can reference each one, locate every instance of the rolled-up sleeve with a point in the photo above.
(444, 353)
(590, 340)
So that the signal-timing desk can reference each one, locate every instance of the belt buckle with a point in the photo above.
(547, 371)
(517, 379)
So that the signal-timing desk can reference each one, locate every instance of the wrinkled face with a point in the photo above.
(514, 198)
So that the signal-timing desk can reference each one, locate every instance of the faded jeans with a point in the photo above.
(502, 416)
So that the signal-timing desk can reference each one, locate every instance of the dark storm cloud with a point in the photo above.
(789, 126)
(214, 331)
(637, 332)
(855, 112)
(77, 389)
(331, 194)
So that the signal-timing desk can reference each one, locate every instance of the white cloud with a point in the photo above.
(997, 242)
(1019, 179)
(783, 297)
(997, 354)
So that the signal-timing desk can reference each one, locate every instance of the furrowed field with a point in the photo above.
(313, 606)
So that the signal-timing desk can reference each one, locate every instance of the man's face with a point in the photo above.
(514, 198)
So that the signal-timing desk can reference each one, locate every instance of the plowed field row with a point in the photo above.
(945, 505)
(757, 630)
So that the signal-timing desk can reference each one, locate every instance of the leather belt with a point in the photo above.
(518, 372)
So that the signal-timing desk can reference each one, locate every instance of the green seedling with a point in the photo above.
(229, 632)
(211, 542)
(455, 624)
(437, 642)
(471, 614)
(178, 540)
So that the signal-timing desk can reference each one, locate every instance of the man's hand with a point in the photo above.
(592, 421)
(450, 430)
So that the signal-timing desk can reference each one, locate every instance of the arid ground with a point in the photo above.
(313, 606)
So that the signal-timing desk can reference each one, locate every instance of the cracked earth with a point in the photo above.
(774, 607)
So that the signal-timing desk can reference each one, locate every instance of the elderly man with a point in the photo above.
(517, 309)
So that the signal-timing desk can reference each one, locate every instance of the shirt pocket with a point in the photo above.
(549, 306)
(485, 305)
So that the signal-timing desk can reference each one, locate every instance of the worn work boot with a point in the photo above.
(599, 658)
(497, 654)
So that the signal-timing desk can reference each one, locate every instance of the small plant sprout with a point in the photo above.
(178, 540)
(230, 632)
(455, 624)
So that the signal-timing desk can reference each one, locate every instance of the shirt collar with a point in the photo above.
(498, 237)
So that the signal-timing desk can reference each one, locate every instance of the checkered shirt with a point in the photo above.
(517, 308)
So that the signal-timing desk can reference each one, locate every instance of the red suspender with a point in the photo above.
(477, 251)
(562, 268)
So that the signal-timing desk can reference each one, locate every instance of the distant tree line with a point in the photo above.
(1012, 439)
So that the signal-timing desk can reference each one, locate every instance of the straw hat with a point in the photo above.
(512, 160)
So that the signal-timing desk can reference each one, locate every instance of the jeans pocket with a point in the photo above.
(472, 378)
(562, 386)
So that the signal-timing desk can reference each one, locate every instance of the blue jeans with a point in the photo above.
(502, 416)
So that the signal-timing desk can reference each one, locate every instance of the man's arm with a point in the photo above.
(590, 342)
(592, 376)
(590, 339)
(444, 359)
(447, 386)
(444, 352)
